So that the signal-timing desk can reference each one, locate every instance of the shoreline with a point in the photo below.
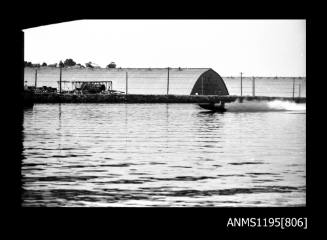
(142, 98)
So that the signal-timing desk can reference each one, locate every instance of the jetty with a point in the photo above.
(145, 98)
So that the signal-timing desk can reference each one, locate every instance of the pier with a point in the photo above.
(142, 98)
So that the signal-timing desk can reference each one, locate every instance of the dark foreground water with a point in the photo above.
(81, 155)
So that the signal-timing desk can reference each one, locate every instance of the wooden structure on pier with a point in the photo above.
(80, 85)
(94, 87)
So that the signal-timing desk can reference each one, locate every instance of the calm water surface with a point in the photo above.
(81, 155)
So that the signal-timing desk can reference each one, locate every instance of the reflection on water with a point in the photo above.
(161, 155)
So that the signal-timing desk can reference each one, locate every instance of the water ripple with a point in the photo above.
(161, 155)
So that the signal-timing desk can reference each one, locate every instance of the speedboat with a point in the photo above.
(215, 107)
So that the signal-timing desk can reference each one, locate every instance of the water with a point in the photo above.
(90, 155)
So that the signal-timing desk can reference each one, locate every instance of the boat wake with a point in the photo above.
(264, 106)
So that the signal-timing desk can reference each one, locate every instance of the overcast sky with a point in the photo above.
(255, 47)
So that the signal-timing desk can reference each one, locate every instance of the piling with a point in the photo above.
(126, 83)
(35, 78)
(241, 85)
(253, 86)
(299, 90)
(168, 82)
(293, 88)
(60, 79)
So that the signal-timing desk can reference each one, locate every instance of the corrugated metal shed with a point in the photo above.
(182, 81)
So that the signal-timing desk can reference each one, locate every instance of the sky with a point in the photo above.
(254, 47)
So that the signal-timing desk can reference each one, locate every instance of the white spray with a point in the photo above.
(264, 106)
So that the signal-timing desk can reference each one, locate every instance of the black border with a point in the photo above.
(185, 220)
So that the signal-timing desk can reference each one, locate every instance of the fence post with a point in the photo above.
(253, 86)
(241, 84)
(168, 82)
(60, 80)
(126, 83)
(35, 78)
(293, 87)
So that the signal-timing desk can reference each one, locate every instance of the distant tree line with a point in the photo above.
(29, 64)
(67, 63)
(111, 65)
